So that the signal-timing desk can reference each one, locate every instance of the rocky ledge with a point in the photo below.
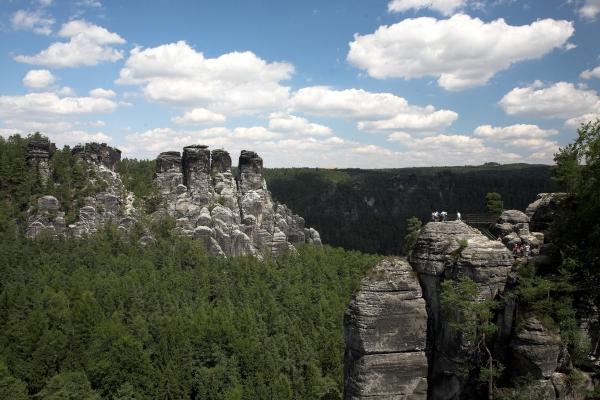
(385, 328)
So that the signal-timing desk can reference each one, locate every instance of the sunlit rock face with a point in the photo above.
(232, 215)
(385, 329)
(449, 250)
(109, 201)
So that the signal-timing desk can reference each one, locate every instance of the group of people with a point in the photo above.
(519, 249)
(441, 216)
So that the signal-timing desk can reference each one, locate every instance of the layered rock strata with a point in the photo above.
(232, 215)
(449, 250)
(38, 155)
(385, 331)
(110, 202)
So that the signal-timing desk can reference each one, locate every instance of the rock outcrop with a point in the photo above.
(544, 211)
(110, 200)
(38, 155)
(535, 350)
(385, 332)
(513, 228)
(449, 250)
(233, 216)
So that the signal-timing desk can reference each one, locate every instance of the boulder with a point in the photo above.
(168, 161)
(48, 204)
(385, 329)
(535, 350)
(513, 217)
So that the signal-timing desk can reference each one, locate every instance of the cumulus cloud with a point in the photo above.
(47, 104)
(236, 82)
(38, 79)
(255, 133)
(522, 137)
(461, 51)
(444, 7)
(35, 21)
(373, 111)
(399, 137)
(102, 93)
(281, 122)
(200, 116)
(558, 100)
(576, 122)
(591, 73)
(88, 44)
(590, 9)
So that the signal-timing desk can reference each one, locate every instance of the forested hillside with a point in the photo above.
(107, 318)
(367, 210)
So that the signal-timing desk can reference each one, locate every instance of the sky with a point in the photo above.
(312, 83)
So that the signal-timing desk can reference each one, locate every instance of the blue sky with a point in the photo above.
(355, 83)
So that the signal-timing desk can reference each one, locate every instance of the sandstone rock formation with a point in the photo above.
(535, 350)
(385, 332)
(440, 253)
(233, 216)
(513, 227)
(110, 202)
(38, 155)
(543, 211)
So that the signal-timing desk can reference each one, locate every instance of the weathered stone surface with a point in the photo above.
(38, 155)
(543, 211)
(535, 350)
(201, 191)
(168, 161)
(448, 250)
(220, 161)
(513, 217)
(48, 203)
(98, 153)
(385, 331)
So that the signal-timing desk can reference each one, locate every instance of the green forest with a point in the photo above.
(104, 317)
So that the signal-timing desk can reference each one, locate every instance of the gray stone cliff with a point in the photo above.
(385, 328)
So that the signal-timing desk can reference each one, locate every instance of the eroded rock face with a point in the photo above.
(38, 155)
(98, 153)
(544, 211)
(385, 329)
(448, 250)
(111, 203)
(233, 216)
(535, 350)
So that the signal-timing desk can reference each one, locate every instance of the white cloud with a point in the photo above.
(78, 136)
(558, 100)
(233, 83)
(575, 123)
(373, 149)
(49, 104)
(461, 51)
(66, 92)
(38, 79)
(102, 93)
(519, 131)
(373, 111)
(255, 133)
(45, 3)
(399, 137)
(88, 44)
(281, 122)
(200, 116)
(591, 73)
(35, 21)
(590, 9)
(522, 137)
(444, 7)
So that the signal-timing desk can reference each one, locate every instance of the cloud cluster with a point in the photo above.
(522, 137)
(461, 51)
(88, 44)
(200, 116)
(561, 100)
(38, 79)
(591, 73)
(286, 123)
(444, 7)
(373, 111)
(233, 83)
(590, 9)
(36, 21)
